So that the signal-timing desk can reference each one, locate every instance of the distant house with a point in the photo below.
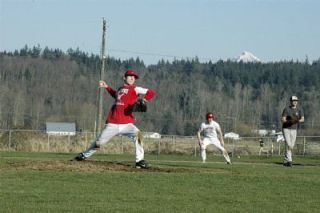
(60, 128)
(151, 135)
(232, 135)
(260, 132)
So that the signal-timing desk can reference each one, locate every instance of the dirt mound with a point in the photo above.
(87, 166)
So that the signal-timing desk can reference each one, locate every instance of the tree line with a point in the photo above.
(39, 85)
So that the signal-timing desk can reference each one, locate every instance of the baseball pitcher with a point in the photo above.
(120, 119)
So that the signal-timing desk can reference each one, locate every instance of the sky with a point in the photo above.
(166, 29)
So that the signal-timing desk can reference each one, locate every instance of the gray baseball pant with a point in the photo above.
(290, 136)
(112, 130)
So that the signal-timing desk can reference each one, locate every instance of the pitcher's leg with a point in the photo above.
(138, 141)
(90, 150)
(139, 151)
(107, 133)
(135, 135)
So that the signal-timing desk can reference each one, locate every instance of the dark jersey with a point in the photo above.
(291, 114)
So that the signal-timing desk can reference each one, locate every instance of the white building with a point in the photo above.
(261, 132)
(60, 128)
(151, 135)
(232, 135)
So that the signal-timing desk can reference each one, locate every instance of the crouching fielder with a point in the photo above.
(210, 128)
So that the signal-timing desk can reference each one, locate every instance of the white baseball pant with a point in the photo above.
(112, 130)
(290, 136)
(216, 142)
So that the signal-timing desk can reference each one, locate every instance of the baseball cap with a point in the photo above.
(131, 73)
(294, 98)
(210, 115)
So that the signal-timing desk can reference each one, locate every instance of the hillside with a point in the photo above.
(49, 85)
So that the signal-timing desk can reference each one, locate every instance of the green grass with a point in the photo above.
(251, 184)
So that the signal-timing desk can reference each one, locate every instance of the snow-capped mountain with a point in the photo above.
(247, 57)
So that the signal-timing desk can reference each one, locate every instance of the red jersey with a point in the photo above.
(125, 97)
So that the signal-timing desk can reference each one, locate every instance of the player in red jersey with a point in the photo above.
(120, 119)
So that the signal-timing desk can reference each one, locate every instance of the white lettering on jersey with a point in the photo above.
(210, 130)
(121, 93)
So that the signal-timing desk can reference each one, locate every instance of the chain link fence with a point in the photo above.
(40, 141)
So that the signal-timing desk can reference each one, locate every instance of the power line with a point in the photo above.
(145, 53)
(159, 54)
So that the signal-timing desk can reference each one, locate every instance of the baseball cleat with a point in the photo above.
(142, 165)
(229, 163)
(80, 157)
(287, 164)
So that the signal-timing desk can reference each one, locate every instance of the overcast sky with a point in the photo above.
(154, 29)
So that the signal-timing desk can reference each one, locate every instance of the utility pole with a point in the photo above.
(103, 59)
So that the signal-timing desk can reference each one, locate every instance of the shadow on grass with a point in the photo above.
(298, 164)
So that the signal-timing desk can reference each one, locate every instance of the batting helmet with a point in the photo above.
(210, 115)
(131, 73)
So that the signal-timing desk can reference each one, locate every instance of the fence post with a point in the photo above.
(270, 141)
(9, 144)
(174, 144)
(304, 145)
(159, 147)
(48, 144)
(121, 144)
(279, 151)
(86, 141)
(195, 148)
(232, 147)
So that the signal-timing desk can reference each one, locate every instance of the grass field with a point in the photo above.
(49, 182)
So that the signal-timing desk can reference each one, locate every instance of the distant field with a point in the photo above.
(49, 182)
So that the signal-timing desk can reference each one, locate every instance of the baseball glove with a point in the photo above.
(293, 120)
(139, 106)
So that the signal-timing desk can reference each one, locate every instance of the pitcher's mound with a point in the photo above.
(86, 166)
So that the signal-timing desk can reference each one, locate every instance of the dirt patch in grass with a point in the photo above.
(84, 166)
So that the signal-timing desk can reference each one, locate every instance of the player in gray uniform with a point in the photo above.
(292, 115)
(210, 128)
